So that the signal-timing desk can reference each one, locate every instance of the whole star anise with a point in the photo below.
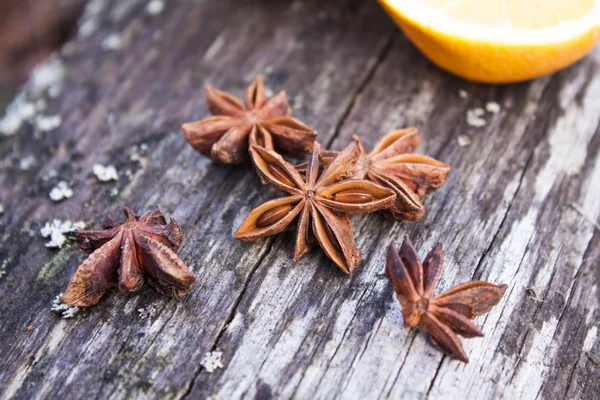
(320, 203)
(445, 316)
(392, 164)
(226, 137)
(125, 255)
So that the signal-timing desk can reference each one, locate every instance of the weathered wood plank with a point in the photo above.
(303, 329)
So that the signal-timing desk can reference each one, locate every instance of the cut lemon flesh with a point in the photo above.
(499, 40)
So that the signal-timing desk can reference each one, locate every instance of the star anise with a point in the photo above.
(320, 203)
(125, 255)
(445, 316)
(261, 121)
(392, 164)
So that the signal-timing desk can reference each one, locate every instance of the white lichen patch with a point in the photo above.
(463, 94)
(112, 42)
(493, 107)
(65, 310)
(3, 268)
(90, 20)
(463, 141)
(18, 112)
(48, 123)
(147, 312)
(105, 173)
(155, 7)
(139, 153)
(27, 162)
(61, 191)
(475, 117)
(56, 230)
(212, 361)
(48, 77)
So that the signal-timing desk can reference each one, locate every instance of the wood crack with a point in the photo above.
(231, 314)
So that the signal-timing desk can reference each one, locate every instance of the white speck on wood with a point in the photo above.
(105, 173)
(18, 112)
(155, 7)
(65, 310)
(112, 42)
(48, 123)
(27, 162)
(463, 94)
(3, 268)
(463, 141)
(212, 361)
(475, 117)
(56, 230)
(493, 107)
(48, 75)
(61, 191)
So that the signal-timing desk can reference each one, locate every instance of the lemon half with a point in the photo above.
(499, 41)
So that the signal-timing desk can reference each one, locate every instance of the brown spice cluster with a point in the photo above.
(320, 195)
(326, 189)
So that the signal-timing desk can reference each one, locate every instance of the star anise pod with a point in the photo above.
(262, 121)
(445, 316)
(320, 203)
(392, 164)
(125, 255)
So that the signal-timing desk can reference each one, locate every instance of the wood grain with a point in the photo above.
(303, 329)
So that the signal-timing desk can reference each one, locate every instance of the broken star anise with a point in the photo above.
(262, 121)
(445, 316)
(320, 203)
(125, 255)
(392, 164)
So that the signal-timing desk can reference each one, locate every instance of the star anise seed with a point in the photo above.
(445, 316)
(319, 203)
(392, 164)
(262, 121)
(125, 255)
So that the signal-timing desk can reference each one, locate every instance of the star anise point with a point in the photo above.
(319, 203)
(226, 136)
(127, 254)
(447, 315)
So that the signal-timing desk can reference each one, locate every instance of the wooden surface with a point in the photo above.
(303, 329)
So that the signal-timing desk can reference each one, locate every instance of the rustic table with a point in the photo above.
(520, 207)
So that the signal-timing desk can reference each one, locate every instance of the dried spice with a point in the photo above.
(445, 316)
(262, 121)
(392, 164)
(125, 255)
(319, 203)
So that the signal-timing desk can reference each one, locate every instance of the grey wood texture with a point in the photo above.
(519, 208)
